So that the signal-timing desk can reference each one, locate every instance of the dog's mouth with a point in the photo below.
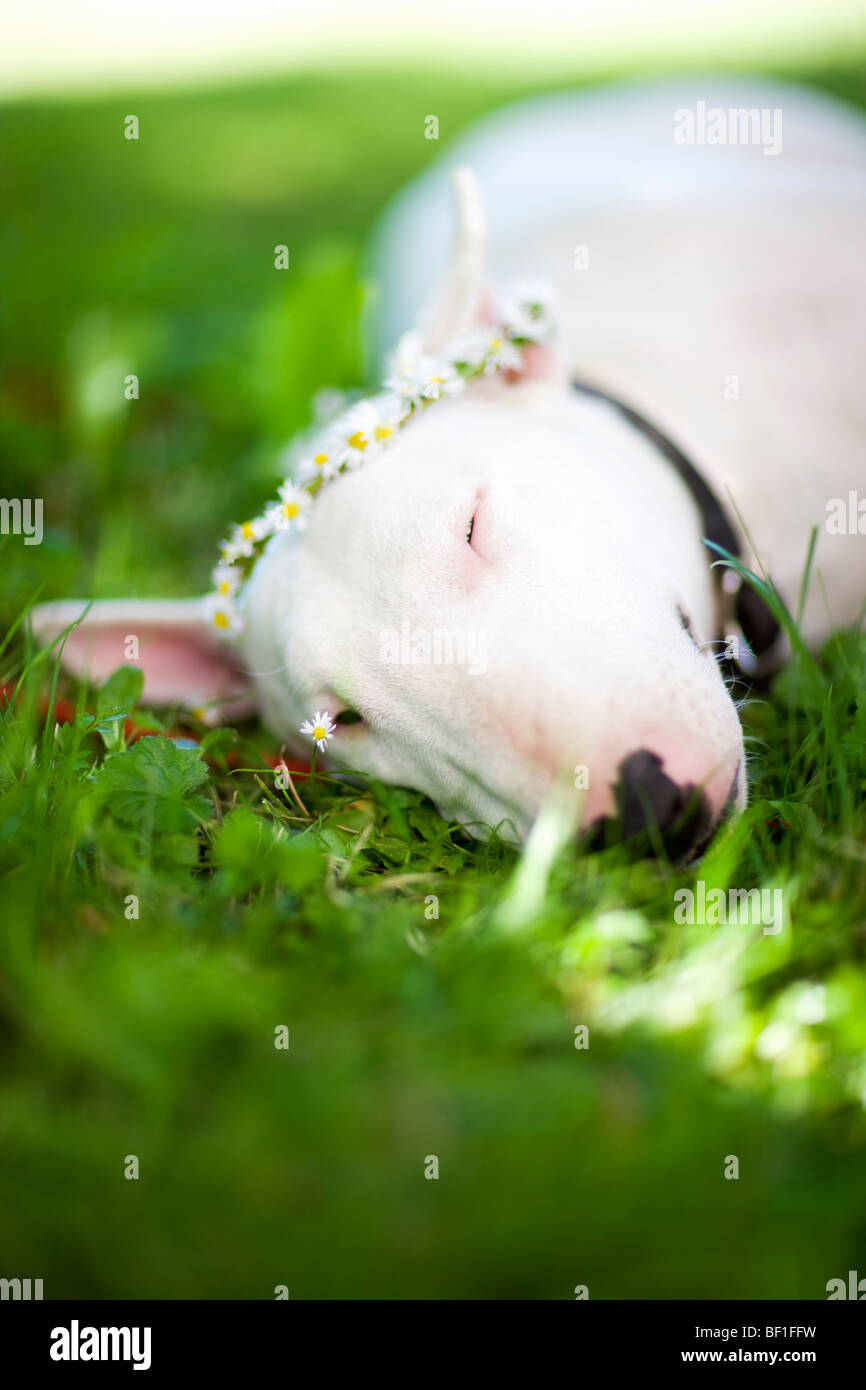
(701, 847)
(657, 817)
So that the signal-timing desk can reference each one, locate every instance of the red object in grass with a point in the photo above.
(293, 764)
(776, 827)
(64, 713)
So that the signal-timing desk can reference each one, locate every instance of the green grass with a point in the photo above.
(410, 1034)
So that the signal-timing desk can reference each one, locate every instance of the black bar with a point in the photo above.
(226, 1338)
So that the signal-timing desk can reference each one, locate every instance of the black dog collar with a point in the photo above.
(743, 614)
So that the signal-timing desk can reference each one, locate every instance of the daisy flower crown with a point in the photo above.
(369, 426)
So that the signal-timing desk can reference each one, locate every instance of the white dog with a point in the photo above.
(518, 587)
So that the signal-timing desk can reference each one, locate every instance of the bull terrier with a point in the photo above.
(515, 588)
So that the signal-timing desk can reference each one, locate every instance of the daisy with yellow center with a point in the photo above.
(321, 728)
(242, 542)
(322, 467)
(429, 379)
(226, 580)
(357, 434)
(209, 715)
(222, 614)
(449, 383)
(291, 510)
(502, 355)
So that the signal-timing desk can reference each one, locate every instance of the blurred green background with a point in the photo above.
(409, 1036)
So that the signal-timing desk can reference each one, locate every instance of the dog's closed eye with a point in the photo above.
(348, 716)
(466, 517)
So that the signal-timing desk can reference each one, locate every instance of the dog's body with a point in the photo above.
(719, 290)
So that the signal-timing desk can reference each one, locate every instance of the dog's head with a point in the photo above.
(513, 595)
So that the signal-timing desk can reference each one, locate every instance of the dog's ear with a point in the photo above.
(465, 301)
(458, 304)
(171, 640)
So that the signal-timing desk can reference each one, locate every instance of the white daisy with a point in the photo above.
(502, 355)
(209, 715)
(226, 579)
(321, 728)
(356, 434)
(324, 464)
(471, 351)
(244, 538)
(222, 615)
(526, 312)
(443, 380)
(429, 380)
(392, 413)
(291, 510)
